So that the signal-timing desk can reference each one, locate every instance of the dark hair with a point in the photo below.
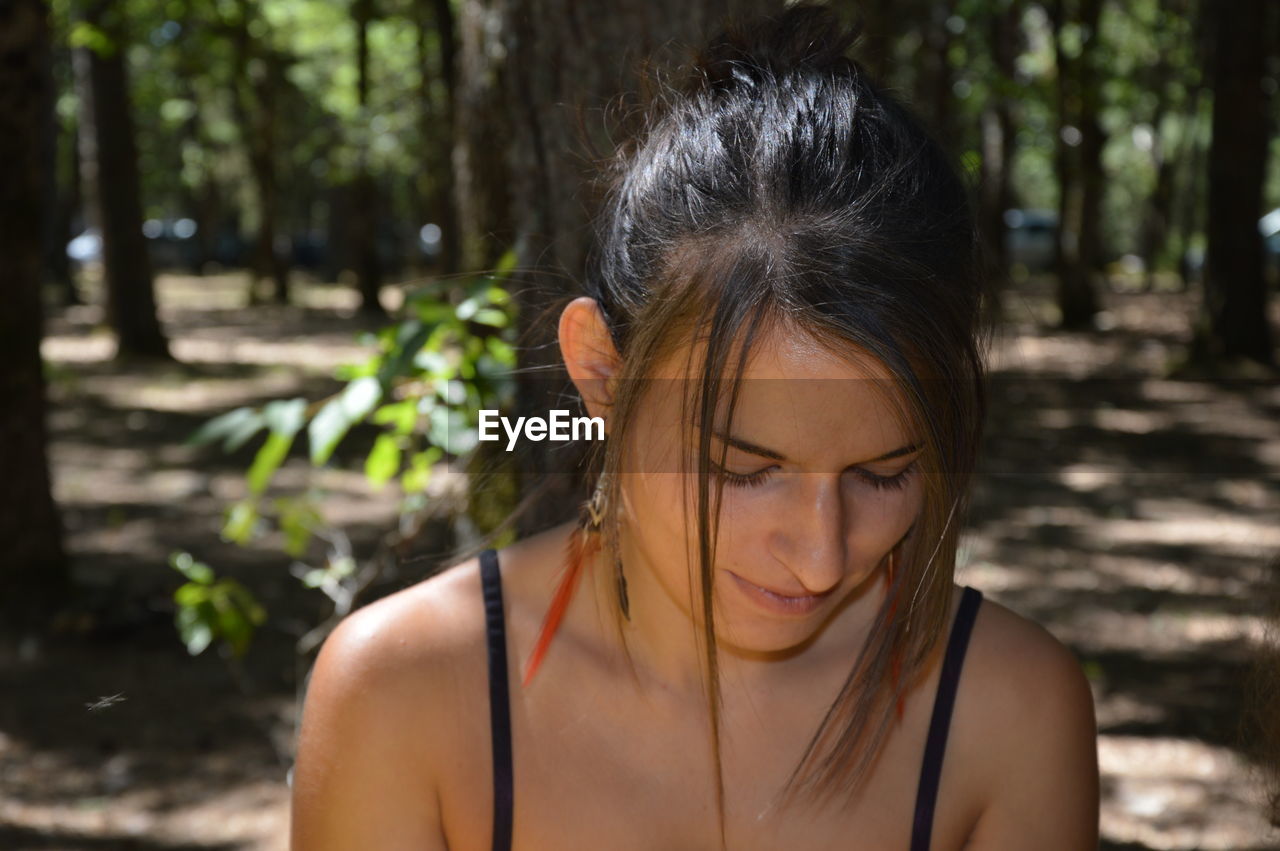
(777, 185)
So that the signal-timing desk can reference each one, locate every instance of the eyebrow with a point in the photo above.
(746, 446)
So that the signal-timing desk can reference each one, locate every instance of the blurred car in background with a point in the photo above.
(1269, 227)
(1031, 238)
(171, 244)
(86, 248)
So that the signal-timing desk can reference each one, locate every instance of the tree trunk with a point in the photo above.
(109, 167)
(438, 178)
(482, 190)
(561, 56)
(934, 92)
(69, 219)
(57, 212)
(253, 100)
(1157, 214)
(1079, 167)
(365, 222)
(882, 24)
(1235, 298)
(1188, 203)
(998, 138)
(33, 570)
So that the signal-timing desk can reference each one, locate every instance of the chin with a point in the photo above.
(748, 632)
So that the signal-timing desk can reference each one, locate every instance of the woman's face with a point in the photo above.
(820, 484)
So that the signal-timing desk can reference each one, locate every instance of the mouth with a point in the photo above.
(778, 603)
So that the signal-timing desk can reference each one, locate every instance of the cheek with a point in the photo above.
(653, 501)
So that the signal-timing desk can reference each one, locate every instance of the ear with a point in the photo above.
(589, 354)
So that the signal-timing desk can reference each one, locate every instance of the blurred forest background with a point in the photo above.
(264, 260)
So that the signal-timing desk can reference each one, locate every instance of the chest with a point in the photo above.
(594, 773)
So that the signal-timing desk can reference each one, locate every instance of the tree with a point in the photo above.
(1079, 160)
(33, 569)
(1234, 324)
(435, 184)
(109, 167)
(365, 221)
(999, 139)
(256, 88)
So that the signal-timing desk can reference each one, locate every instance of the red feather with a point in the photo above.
(895, 661)
(580, 548)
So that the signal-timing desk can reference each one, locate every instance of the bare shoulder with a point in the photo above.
(438, 611)
(1023, 666)
(412, 645)
(1031, 734)
(384, 704)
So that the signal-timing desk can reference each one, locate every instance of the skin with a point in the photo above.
(394, 750)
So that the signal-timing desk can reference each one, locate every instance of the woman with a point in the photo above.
(752, 638)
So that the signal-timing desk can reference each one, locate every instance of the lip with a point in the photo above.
(776, 603)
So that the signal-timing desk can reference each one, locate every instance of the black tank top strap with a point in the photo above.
(499, 701)
(936, 744)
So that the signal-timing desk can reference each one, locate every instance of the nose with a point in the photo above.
(810, 540)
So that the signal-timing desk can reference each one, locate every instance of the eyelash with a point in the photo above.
(750, 480)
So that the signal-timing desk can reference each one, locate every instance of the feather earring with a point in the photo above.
(595, 511)
(584, 543)
(895, 659)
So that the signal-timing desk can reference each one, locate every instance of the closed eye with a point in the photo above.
(747, 480)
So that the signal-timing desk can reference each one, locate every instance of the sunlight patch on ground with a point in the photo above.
(1224, 533)
(254, 814)
(1179, 794)
(305, 354)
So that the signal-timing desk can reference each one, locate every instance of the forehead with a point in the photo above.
(797, 392)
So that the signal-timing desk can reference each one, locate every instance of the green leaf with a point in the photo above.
(506, 264)
(402, 415)
(315, 577)
(433, 363)
(195, 571)
(85, 34)
(233, 428)
(411, 338)
(329, 426)
(242, 521)
(451, 392)
(501, 351)
(383, 461)
(433, 313)
(285, 418)
(415, 478)
(491, 316)
(298, 518)
(191, 595)
(467, 308)
(450, 431)
(194, 627)
(267, 461)
(232, 626)
(247, 603)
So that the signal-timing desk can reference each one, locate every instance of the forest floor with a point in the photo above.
(1131, 514)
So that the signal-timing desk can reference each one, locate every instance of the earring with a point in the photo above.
(584, 542)
(595, 511)
(895, 662)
